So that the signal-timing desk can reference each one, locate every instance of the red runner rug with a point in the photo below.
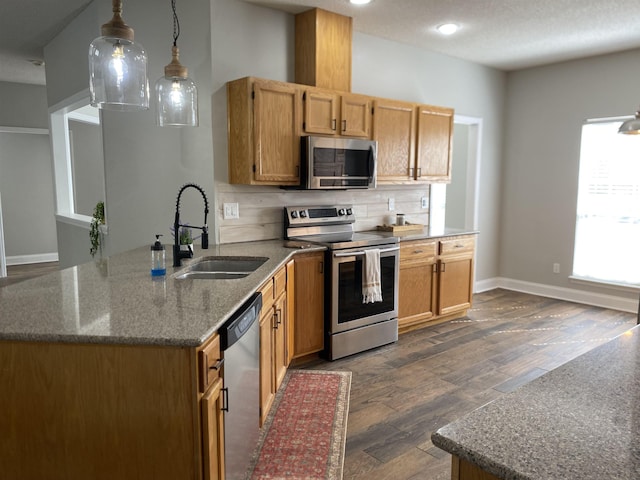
(304, 435)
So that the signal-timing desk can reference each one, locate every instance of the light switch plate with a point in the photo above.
(230, 211)
(424, 202)
(392, 204)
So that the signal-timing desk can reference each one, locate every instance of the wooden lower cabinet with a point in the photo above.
(308, 323)
(274, 359)
(100, 411)
(213, 432)
(463, 470)
(417, 293)
(436, 280)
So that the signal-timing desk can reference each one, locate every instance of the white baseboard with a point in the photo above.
(26, 259)
(569, 294)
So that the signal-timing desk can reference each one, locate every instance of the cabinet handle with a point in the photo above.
(419, 172)
(417, 251)
(344, 126)
(225, 399)
(320, 267)
(278, 317)
(333, 124)
(443, 269)
(435, 268)
(459, 246)
(411, 172)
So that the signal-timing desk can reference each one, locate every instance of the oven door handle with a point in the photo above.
(352, 254)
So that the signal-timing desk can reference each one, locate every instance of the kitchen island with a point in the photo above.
(580, 421)
(107, 373)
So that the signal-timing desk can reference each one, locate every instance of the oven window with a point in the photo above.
(350, 306)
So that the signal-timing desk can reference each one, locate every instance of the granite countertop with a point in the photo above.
(580, 421)
(117, 301)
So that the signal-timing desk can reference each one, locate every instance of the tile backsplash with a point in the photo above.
(261, 208)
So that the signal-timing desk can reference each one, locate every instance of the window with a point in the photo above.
(608, 211)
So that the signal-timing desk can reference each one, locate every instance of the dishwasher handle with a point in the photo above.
(240, 322)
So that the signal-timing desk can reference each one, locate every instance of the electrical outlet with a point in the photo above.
(230, 211)
(556, 268)
(424, 202)
(392, 204)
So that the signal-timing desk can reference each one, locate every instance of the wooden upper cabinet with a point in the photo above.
(330, 113)
(355, 116)
(264, 119)
(320, 112)
(435, 133)
(394, 127)
(323, 49)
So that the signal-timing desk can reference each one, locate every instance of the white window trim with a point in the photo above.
(62, 169)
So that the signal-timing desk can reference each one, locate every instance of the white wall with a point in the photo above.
(27, 190)
(26, 181)
(546, 107)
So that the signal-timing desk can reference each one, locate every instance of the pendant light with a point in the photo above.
(118, 67)
(176, 93)
(631, 127)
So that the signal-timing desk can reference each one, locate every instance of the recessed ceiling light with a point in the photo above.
(448, 28)
(359, 2)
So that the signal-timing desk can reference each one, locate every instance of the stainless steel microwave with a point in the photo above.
(337, 163)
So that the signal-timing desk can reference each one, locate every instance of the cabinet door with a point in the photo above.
(416, 293)
(417, 280)
(309, 304)
(267, 391)
(320, 112)
(213, 432)
(455, 284)
(355, 116)
(279, 341)
(276, 111)
(394, 127)
(435, 130)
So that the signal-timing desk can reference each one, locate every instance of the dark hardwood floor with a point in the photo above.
(18, 273)
(403, 392)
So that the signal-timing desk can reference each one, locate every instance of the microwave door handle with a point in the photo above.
(372, 164)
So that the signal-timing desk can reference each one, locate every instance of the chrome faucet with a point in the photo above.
(178, 255)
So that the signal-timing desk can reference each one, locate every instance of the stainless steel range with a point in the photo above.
(351, 326)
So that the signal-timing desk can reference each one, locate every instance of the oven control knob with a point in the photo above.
(349, 211)
(294, 214)
(303, 213)
(342, 211)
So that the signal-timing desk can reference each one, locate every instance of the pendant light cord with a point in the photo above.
(176, 24)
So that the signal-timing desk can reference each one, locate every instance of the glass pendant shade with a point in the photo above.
(631, 127)
(118, 67)
(177, 96)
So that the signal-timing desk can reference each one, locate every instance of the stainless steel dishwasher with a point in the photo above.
(240, 343)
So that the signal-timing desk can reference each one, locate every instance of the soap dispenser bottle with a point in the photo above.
(158, 267)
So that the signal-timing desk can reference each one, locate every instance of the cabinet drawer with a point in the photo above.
(267, 295)
(209, 363)
(458, 245)
(417, 252)
(279, 282)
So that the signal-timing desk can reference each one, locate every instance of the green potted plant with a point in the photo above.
(94, 231)
(185, 238)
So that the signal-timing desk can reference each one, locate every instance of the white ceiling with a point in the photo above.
(505, 34)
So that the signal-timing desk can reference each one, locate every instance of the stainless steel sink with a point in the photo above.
(221, 268)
